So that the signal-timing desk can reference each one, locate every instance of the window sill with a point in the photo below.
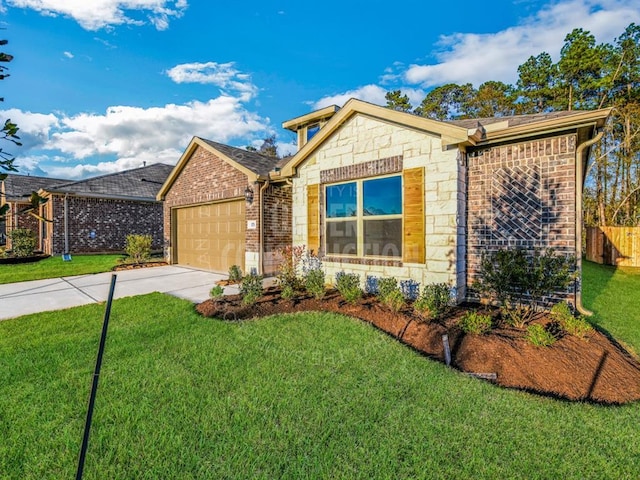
(382, 262)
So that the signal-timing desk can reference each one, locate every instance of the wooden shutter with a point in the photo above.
(313, 218)
(413, 212)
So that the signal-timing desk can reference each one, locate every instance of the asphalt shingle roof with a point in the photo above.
(257, 163)
(19, 187)
(514, 120)
(139, 183)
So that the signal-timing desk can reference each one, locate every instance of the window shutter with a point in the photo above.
(313, 218)
(413, 212)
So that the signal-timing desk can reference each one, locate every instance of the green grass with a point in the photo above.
(298, 396)
(613, 294)
(54, 267)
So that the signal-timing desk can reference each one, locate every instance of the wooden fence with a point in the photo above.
(618, 246)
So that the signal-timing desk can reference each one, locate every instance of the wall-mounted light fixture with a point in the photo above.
(248, 195)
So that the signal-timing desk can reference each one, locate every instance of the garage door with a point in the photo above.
(211, 236)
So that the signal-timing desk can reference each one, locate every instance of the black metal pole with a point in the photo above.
(96, 376)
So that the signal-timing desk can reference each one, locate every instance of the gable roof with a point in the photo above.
(18, 188)
(449, 133)
(479, 131)
(252, 164)
(137, 184)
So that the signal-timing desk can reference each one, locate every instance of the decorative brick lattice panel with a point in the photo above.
(516, 203)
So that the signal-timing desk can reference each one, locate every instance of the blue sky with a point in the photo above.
(99, 86)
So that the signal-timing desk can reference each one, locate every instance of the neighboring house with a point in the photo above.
(222, 209)
(96, 215)
(16, 191)
(384, 193)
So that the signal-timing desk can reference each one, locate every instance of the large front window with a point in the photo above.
(364, 218)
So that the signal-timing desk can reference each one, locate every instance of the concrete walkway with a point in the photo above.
(23, 298)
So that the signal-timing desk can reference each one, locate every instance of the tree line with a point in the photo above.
(587, 76)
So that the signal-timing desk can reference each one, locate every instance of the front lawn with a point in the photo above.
(292, 396)
(54, 267)
(614, 296)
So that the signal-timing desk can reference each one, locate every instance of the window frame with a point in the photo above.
(360, 218)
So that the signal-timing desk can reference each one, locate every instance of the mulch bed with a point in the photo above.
(134, 266)
(595, 369)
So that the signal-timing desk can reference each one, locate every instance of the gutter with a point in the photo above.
(261, 242)
(579, 187)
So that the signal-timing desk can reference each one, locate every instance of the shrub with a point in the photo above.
(410, 289)
(138, 247)
(216, 292)
(390, 294)
(539, 336)
(313, 275)
(235, 274)
(314, 283)
(572, 325)
(251, 288)
(433, 301)
(520, 281)
(291, 258)
(23, 242)
(288, 292)
(475, 323)
(348, 284)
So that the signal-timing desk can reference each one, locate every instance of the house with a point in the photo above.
(385, 193)
(221, 208)
(95, 215)
(16, 192)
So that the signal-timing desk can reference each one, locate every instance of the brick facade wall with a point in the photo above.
(277, 224)
(521, 195)
(207, 178)
(14, 220)
(97, 225)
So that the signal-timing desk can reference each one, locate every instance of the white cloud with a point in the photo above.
(369, 93)
(476, 58)
(68, 54)
(125, 136)
(223, 75)
(97, 14)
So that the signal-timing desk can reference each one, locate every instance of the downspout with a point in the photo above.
(66, 224)
(261, 236)
(579, 187)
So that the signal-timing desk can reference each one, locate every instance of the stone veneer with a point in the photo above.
(521, 195)
(356, 147)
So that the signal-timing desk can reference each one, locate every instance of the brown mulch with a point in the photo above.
(134, 266)
(595, 369)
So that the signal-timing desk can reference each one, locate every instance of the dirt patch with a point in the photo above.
(595, 369)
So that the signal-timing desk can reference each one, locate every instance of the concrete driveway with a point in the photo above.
(22, 298)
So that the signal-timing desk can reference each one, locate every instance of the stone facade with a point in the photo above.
(98, 225)
(521, 195)
(366, 147)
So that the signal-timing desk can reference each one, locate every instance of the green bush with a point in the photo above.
(475, 323)
(288, 292)
(251, 288)
(138, 247)
(348, 284)
(314, 283)
(521, 281)
(433, 301)
(290, 263)
(539, 336)
(235, 274)
(23, 242)
(216, 292)
(572, 325)
(390, 294)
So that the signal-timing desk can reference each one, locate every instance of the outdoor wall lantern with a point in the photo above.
(248, 195)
